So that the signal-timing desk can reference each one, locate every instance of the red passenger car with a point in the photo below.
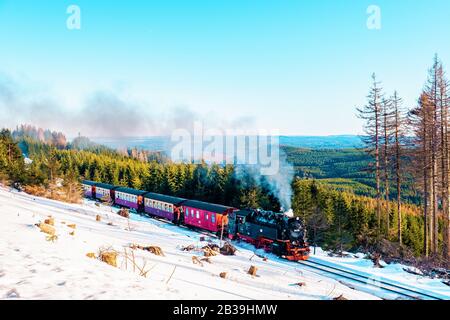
(207, 216)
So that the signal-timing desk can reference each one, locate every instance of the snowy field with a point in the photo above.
(33, 268)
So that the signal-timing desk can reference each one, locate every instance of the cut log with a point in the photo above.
(195, 260)
(98, 218)
(153, 249)
(227, 249)
(188, 248)
(91, 255)
(109, 257)
(72, 226)
(252, 270)
(223, 275)
(209, 252)
(48, 229)
(124, 213)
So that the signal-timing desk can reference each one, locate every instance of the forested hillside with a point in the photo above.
(345, 169)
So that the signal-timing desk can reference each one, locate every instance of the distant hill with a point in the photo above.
(310, 142)
(322, 142)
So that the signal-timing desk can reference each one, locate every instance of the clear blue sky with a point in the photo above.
(298, 66)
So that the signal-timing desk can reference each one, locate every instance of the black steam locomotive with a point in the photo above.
(274, 232)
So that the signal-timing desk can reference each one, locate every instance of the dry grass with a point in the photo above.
(91, 255)
(56, 193)
(52, 238)
(130, 257)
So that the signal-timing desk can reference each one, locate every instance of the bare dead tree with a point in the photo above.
(432, 92)
(443, 106)
(371, 113)
(387, 127)
(420, 118)
(399, 128)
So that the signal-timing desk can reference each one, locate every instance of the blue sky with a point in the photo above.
(298, 66)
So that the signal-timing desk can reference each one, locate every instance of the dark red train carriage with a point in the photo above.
(207, 216)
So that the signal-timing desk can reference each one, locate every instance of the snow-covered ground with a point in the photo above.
(393, 273)
(33, 268)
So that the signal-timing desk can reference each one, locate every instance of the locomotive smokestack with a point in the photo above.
(290, 213)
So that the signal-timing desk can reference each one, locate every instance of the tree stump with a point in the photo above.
(50, 221)
(98, 218)
(223, 275)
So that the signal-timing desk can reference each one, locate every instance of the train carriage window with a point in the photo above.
(198, 215)
(206, 216)
(213, 218)
(187, 212)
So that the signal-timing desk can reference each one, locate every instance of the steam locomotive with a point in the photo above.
(275, 232)
(272, 231)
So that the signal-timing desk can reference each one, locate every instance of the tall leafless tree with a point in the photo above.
(399, 137)
(371, 113)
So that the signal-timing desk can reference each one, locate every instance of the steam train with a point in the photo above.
(273, 232)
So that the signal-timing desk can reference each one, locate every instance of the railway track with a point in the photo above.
(369, 281)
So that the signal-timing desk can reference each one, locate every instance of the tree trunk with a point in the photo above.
(397, 171)
(377, 170)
